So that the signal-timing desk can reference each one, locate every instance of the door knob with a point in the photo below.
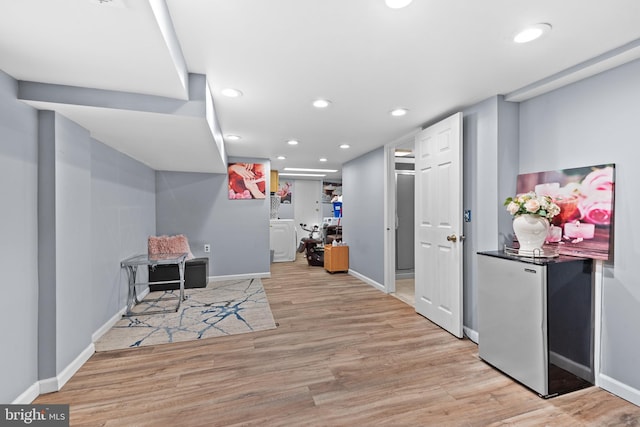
(452, 238)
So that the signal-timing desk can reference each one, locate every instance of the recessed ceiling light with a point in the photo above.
(531, 33)
(397, 4)
(344, 146)
(281, 157)
(233, 137)
(398, 112)
(310, 170)
(292, 142)
(115, 3)
(301, 174)
(321, 103)
(231, 92)
(402, 152)
(323, 159)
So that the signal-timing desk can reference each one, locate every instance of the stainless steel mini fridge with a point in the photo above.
(535, 320)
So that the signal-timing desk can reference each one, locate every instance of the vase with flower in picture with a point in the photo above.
(531, 231)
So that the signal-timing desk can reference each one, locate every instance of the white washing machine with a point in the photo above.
(282, 239)
(331, 220)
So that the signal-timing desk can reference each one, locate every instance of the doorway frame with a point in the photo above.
(389, 192)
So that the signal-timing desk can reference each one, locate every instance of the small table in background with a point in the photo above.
(132, 264)
(336, 258)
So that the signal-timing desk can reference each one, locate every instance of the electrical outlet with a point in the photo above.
(207, 248)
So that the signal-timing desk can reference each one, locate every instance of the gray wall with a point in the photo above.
(73, 232)
(64, 198)
(363, 222)
(405, 220)
(19, 250)
(123, 216)
(72, 209)
(96, 207)
(197, 205)
(594, 122)
(490, 136)
(508, 154)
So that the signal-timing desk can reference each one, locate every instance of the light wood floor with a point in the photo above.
(406, 291)
(344, 354)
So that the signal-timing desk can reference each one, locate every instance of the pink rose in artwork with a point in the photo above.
(597, 208)
(598, 180)
(596, 205)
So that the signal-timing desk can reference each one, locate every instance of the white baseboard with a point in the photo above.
(368, 280)
(108, 325)
(240, 276)
(51, 385)
(619, 389)
(144, 293)
(114, 319)
(404, 275)
(28, 396)
(471, 334)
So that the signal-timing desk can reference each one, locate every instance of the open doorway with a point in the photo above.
(401, 222)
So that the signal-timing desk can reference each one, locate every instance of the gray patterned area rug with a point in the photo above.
(222, 308)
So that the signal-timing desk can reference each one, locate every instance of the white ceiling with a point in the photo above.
(433, 57)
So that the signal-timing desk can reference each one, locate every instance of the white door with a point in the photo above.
(438, 246)
(307, 206)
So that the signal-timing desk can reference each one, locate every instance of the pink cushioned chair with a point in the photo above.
(196, 272)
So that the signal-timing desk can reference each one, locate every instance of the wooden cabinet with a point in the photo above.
(336, 258)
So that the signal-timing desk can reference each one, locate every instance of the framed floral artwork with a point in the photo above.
(584, 226)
